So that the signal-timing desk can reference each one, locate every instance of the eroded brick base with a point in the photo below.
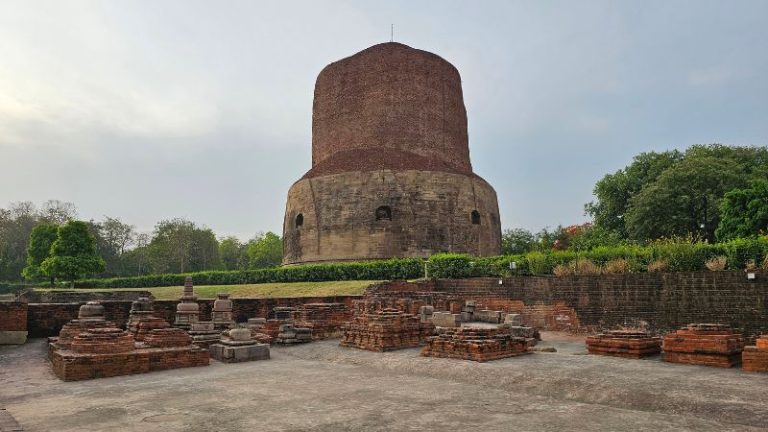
(476, 344)
(704, 344)
(624, 343)
(755, 358)
(72, 366)
(386, 330)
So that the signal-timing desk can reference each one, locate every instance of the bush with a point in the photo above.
(658, 266)
(717, 263)
(562, 270)
(584, 266)
(409, 268)
(616, 266)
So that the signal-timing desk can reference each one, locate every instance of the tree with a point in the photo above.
(179, 246)
(73, 253)
(614, 191)
(233, 254)
(744, 212)
(517, 241)
(673, 193)
(683, 200)
(40, 241)
(265, 250)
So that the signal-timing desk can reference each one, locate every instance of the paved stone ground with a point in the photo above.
(323, 387)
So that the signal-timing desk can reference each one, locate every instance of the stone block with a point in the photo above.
(446, 319)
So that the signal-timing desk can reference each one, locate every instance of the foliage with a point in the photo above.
(675, 254)
(672, 193)
(407, 268)
(40, 241)
(265, 250)
(233, 254)
(179, 246)
(73, 253)
(517, 241)
(717, 263)
(744, 212)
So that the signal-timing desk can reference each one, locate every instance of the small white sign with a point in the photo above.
(750, 276)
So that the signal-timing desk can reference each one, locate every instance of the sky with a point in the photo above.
(148, 110)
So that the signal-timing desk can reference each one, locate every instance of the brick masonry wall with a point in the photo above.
(46, 319)
(13, 316)
(661, 301)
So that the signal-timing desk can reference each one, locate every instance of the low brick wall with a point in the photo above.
(13, 322)
(46, 319)
(660, 301)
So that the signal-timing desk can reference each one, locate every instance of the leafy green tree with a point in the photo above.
(73, 253)
(517, 241)
(265, 250)
(744, 212)
(180, 246)
(614, 191)
(233, 254)
(40, 241)
(684, 199)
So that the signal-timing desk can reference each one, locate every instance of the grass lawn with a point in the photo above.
(293, 289)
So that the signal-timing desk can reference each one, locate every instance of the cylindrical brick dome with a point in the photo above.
(391, 175)
(391, 96)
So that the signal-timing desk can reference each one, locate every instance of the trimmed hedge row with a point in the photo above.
(408, 268)
(677, 256)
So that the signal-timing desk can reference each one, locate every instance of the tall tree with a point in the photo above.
(517, 241)
(40, 241)
(265, 250)
(744, 212)
(73, 253)
(179, 246)
(233, 254)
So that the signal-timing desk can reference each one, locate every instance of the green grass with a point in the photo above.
(265, 290)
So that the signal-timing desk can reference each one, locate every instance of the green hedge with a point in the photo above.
(678, 255)
(409, 268)
(13, 287)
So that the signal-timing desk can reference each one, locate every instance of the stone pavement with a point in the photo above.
(321, 386)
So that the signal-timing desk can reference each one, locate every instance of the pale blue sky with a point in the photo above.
(148, 110)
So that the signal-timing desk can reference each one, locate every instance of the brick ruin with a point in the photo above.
(755, 357)
(704, 344)
(624, 343)
(13, 322)
(386, 330)
(187, 311)
(92, 347)
(477, 344)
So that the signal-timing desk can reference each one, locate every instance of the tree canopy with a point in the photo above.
(744, 212)
(73, 253)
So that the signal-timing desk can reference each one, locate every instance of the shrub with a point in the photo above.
(717, 263)
(561, 270)
(538, 263)
(740, 251)
(616, 266)
(409, 268)
(765, 262)
(750, 265)
(658, 266)
(584, 266)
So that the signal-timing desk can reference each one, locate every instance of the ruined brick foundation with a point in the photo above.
(477, 344)
(704, 344)
(386, 330)
(624, 343)
(755, 357)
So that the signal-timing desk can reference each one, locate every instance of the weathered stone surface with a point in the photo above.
(624, 343)
(187, 311)
(704, 344)
(236, 345)
(446, 319)
(390, 173)
(222, 312)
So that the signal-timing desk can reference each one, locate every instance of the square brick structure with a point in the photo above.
(324, 319)
(624, 343)
(91, 347)
(477, 344)
(704, 344)
(755, 357)
(13, 323)
(386, 330)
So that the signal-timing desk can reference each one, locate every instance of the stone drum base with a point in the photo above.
(624, 343)
(704, 344)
